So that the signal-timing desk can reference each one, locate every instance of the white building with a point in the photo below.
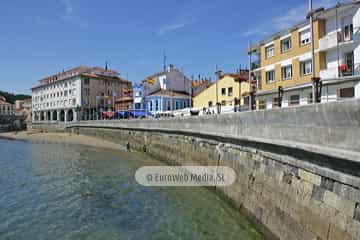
(341, 76)
(79, 93)
(6, 109)
(165, 91)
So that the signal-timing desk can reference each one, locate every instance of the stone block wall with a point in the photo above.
(291, 197)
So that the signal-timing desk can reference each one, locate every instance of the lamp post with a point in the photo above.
(315, 80)
(218, 75)
(312, 51)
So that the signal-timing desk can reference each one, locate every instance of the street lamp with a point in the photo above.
(218, 76)
(314, 79)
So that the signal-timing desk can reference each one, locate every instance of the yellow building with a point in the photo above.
(228, 88)
(284, 60)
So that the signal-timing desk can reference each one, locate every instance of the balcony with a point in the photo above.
(334, 39)
(334, 72)
(255, 64)
(329, 73)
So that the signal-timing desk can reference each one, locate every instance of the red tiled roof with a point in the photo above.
(198, 83)
(124, 99)
(95, 72)
(4, 102)
(242, 77)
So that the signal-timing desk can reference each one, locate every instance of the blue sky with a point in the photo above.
(42, 37)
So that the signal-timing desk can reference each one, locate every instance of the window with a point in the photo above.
(286, 72)
(223, 91)
(270, 51)
(347, 92)
(305, 37)
(275, 102)
(258, 81)
(262, 104)
(294, 100)
(151, 107)
(223, 103)
(305, 67)
(246, 101)
(286, 44)
(270, 76)
(349, 61)
(230, 91)
(210, 104)
(156, 105)
(310, 98)
(348, 32)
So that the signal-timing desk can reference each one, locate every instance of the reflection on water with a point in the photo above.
(58, 191)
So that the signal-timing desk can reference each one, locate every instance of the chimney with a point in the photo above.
(170, 68)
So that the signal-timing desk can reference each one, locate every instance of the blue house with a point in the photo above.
(166, 100)
(169, 90)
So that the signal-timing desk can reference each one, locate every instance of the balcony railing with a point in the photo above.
(335, 72)
(333, 39)
(255, 64)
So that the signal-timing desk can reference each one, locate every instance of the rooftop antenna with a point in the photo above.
(164, 62)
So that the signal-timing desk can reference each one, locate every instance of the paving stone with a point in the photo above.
(310, 177)
(287, 178)
(317, 193)
(336, 233)
(327, 183)
(353, 228)
(343, 205)
(347, 192)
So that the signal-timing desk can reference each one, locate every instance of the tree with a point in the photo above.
(11, 98)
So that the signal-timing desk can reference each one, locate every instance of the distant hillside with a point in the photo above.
(11, 98)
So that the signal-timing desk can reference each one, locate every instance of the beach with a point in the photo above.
(68, 138)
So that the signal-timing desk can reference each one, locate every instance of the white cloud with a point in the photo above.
(169, 28)
(292, 16)
(254, 32)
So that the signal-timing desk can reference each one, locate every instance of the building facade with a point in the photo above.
(169, 90)
(79, 93)
(138, 95)
(227, 90)
(23, 104)
(125, 101)
(166, 100)
(6, 108)
(282, 64)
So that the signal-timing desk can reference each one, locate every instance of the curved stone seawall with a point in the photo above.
(297, 185)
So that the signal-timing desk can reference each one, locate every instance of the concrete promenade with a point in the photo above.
(330, 128)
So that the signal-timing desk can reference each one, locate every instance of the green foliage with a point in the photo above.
(11, 98)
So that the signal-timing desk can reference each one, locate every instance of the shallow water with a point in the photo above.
(60, 191)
